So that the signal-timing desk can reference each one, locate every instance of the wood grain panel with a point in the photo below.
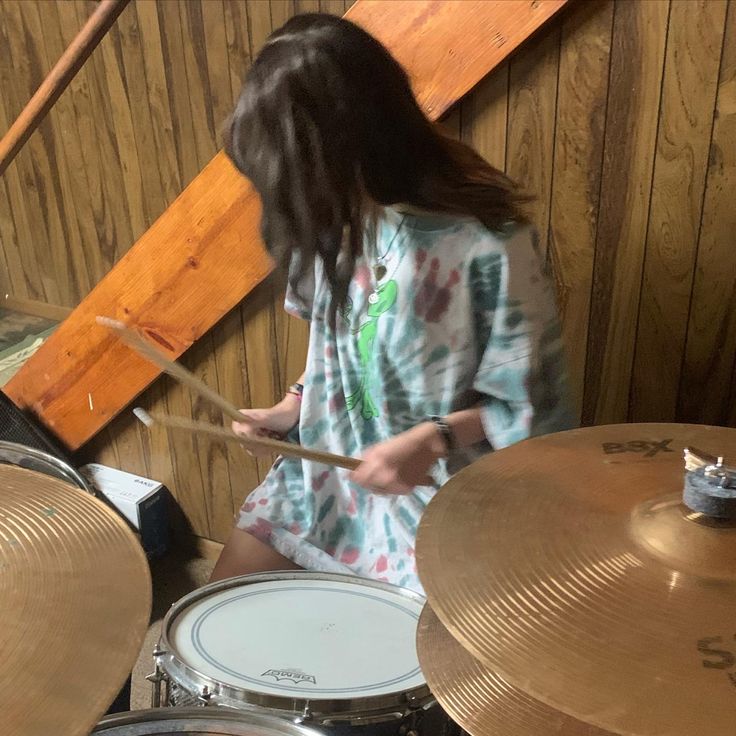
(710, 354)
(162, 152)
(22, 71)
(637, 63)
(174, 59)
(531, 124)
(67, 162)
(581, 113)
(484, 117)
(693, 57)
(103, 162)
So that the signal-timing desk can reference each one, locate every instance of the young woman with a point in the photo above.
(433, 337)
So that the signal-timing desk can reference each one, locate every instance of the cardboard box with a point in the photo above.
(140, 500)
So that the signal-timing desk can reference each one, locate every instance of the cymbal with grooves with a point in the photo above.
(479, 700)
(75, 599)
(568, 565)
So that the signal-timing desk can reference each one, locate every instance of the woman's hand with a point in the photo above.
(402, 463)
(277, 420)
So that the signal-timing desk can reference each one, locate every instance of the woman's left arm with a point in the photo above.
(402, 463)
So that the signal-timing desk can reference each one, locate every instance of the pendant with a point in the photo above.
(379, 271)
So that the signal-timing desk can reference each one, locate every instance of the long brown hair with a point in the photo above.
(327, 126)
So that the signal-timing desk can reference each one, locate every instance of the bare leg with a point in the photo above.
(243, 554)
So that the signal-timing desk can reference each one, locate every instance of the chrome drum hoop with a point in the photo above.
(24, 456)
(212, 721)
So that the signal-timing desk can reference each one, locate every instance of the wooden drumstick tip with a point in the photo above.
(144, 416)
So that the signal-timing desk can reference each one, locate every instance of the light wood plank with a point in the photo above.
(262, 361)
(124, 136)
(281, 11)
(637, 62)
(710, 354)
(234, 384)
(581, 114)
(162, 125)
(132, 62)
(693, 56)
(259, 25)
(238, 46)
(221, 99)
(484, 117)
(103, 165)
(531, 124)
(29, 196)
(177, 88)
(336, 7)
(198, 85)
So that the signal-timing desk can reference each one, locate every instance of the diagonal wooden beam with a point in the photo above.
(204, 254)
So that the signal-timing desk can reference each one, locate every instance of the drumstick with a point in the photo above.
(288, 449)
(133, 340)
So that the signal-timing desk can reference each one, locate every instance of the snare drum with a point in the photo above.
(327, 649)
(197, 722)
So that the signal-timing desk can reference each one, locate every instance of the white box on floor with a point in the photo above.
(140, 500)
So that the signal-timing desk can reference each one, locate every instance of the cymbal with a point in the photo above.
(478, 699)
(568, 565)
(75, 598)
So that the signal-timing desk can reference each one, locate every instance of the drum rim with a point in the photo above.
(323, 710)
(211, 715)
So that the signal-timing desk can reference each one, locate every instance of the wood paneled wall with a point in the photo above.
(620, 117)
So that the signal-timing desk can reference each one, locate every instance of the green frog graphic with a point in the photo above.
(385, 298)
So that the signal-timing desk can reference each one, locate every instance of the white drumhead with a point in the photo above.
(303, 638)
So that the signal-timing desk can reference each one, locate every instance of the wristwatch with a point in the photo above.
(296, 389)
(444, 429)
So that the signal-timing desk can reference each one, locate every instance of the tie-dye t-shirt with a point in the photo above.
(461, 316)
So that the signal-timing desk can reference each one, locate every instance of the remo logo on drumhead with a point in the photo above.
(294, 676)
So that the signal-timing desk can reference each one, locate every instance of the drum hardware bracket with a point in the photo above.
(713, 468)
(305, 716)
(205, 696)
(155, 678)
(710, 485)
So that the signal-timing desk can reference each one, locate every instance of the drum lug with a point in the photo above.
(155, 679)
(205, 696)
(306, 715)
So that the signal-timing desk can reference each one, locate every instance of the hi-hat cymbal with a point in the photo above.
(75, 597)
(567, 564)
(479, 700)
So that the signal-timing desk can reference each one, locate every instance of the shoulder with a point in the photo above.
(514, 239)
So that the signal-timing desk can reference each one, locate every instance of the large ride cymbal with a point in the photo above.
(479, 700)
(75, 597)
(567, 564)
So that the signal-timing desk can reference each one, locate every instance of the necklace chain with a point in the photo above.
(379, 269)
